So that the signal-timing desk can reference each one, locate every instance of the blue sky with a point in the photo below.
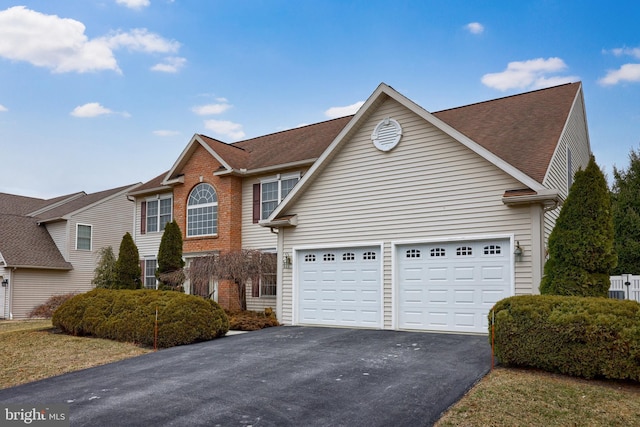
(96, 94)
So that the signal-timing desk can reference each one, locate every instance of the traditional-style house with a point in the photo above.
(50, 247)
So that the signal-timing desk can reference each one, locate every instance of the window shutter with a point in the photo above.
(256, 203)
(143, 217)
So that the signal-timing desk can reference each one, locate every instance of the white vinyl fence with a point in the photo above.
(619, 290)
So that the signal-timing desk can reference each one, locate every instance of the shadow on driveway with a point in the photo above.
(284, 376)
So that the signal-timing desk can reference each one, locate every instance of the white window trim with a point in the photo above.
(157, 198)
(205, 205)
(90, 237)
(277, 178)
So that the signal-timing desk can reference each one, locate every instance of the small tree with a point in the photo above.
(581, 253)
(170, 262)
(128, 265)
(625, 200)
(105, 273)
(236, 266)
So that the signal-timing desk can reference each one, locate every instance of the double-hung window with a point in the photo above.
(274, 190)
(158, 214)
(150, 266)
(83, 237)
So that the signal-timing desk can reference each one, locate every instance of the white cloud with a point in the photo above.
(531, 74)
(134, 4)
(475, 28)
(171, 64)
(210, 109)
(3, 108)
(335, 112)
(628, 73)
(94, 109)
(164, 132)
(140, 40)
(226, 128)
(61, 45)
(630, 51)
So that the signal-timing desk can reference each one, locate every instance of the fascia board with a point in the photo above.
(266, 169)
(579, 99)
(186, 153)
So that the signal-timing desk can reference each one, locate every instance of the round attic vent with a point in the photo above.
(386, 134)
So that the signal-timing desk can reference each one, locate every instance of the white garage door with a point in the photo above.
(452, 286)
(340, 287)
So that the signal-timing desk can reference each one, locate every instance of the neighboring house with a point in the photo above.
(422, 221)
(218, 192)
(50, 247)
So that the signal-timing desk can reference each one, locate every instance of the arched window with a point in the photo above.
(202, 211)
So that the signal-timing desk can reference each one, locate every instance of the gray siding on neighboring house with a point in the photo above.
(110, 220)
(429, 187)
(60, 234)
(573, 138)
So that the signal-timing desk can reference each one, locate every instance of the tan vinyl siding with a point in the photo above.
(258, 304)
(30, 288)
(575, 138)
(254, 236)
(429, 187)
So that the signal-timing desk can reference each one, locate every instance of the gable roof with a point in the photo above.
(24, 242)
(523, 129)
(80, 203)
(548, 110)
(289, 148)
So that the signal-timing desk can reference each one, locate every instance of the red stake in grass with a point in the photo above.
(155, 333)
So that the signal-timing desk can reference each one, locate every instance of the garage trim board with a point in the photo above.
(450, 284)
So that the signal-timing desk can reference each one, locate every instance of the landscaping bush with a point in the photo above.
(129, 316)
(580, 336)
(45, 311)
(252, 320)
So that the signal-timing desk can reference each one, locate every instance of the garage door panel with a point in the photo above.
(451, 286)
(351, 280)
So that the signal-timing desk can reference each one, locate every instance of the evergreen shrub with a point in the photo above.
(580, 336)
(129, 316)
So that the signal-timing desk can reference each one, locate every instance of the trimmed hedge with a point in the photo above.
(252, 320)
(129, 316)
(580, 336)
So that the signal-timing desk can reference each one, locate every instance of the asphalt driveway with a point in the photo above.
(284, 376)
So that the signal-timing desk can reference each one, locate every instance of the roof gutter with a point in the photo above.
(36, 267)
(266, 169)
(548, 198)
(283, 221)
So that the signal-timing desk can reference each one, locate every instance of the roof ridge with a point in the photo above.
(505, 97)
(230, 144)
(291, 129)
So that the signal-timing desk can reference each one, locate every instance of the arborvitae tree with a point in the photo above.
(581, 253)
(170, 262)
(128, 265)
(105, 272)
(625, 201)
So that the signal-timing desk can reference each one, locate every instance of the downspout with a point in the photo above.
(280, 272)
